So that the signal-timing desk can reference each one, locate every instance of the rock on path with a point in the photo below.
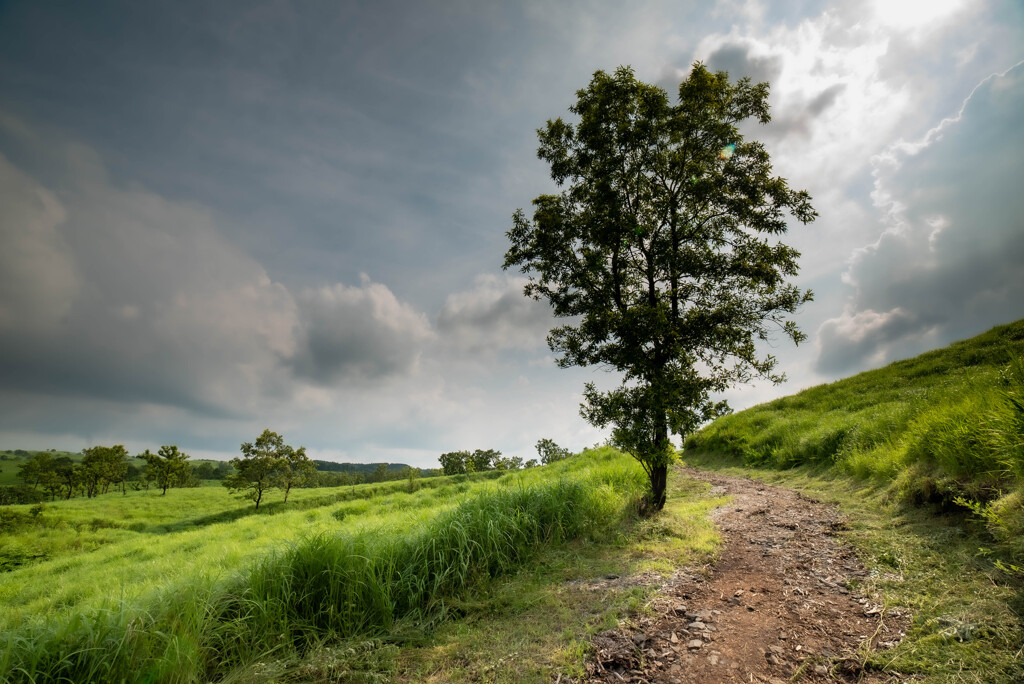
(777, 603)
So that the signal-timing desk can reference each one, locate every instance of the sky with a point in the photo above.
(217, 218)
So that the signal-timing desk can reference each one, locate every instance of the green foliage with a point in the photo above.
(268, 463)
(102, 466)
(294, 470)
(478, 461)
(550, 452)
(211, 470)
(663, 248)
(167, 468)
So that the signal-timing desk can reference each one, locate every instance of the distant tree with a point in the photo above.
(663, 252)
(204, 471)
(167, 468)
(294, 469)
(550, 452)
(410, 475)
(477, 461)
(484, 459)
(261, 466)
(65, 475)
(508, 463)
(454, 462)
(532, 463)
(101, 466)
(133, 474)
(33, 470)
(379, 474)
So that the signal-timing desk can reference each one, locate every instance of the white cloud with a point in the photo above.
(948, 263)
(494, 315)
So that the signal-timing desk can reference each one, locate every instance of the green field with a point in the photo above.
(193, 585)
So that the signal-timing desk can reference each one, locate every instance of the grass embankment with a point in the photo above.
(927, 458)
(335, 581)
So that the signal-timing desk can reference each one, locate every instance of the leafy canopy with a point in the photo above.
(268, 463)
(662, 252)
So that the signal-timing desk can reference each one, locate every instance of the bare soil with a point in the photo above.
(780, 604)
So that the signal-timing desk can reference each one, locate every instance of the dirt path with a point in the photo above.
(776, 604)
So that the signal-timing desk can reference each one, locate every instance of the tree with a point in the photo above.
(550, 452)
(102, 466)
(454, 462)
(379, 474)
(167, 468)
(484, 459)
(295, 469)
(504, 463)
(261, 466)
(65, 474)
(662, 249)
(33, 471)
(477, 461)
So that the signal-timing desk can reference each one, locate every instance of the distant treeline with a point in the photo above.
(98, 470)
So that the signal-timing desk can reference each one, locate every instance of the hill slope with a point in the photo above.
(944, 427)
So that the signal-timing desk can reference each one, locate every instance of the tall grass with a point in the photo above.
(946, 428)
(328, 585)
(944, 414)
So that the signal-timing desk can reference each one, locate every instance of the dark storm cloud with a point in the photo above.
(793, 116)
(949, 264)
(357, 333)
(120, 294)
(824, 99)
(274, 114)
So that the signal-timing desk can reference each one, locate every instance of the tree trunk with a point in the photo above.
(659, 468)
(659, 483)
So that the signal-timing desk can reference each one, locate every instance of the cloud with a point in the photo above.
(738, 59)
(120, 294)
(494, 315)
(357, 333)
(853, 340)
(948, 264)
(37, 271)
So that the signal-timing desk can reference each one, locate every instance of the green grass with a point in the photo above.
(941, 428)
(533, 623)
(218, 599)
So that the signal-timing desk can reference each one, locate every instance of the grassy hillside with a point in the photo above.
(943, 426)
(194, 600)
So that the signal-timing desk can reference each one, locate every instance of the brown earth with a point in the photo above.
(779, 604)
